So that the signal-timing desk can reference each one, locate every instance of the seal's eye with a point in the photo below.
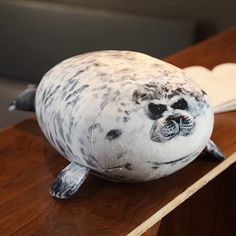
(156, 109)
(180, 104)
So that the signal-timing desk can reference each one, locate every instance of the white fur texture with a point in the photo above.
(95, 110)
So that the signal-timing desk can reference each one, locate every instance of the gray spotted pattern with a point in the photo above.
(119, 113)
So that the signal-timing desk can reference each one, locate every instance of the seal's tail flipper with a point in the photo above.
(25, 101)
(213, 151)
(69, 180)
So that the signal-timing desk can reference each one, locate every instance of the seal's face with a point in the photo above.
(173, 107)
(169, 122)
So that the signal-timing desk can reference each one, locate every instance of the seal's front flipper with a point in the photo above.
(69, 180)
(25, 101)
(213, 151)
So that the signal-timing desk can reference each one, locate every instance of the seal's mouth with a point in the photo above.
(166, 128)
(182, 160)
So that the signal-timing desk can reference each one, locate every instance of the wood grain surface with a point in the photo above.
(28, 166)
(211, 211)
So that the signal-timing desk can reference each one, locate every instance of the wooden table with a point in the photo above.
(28, 166)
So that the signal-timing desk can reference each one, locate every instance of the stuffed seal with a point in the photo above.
(121, 115)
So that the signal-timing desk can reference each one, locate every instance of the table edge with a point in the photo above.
(157, 216)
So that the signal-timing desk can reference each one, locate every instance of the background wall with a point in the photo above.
(36, 35)
(214, 15)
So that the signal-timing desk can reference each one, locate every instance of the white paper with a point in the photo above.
(219, 83)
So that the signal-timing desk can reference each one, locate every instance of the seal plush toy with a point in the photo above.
(121, 115)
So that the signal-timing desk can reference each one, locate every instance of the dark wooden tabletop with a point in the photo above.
(28, 166)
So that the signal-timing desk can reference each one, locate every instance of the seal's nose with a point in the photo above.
(178, 118)
(167, 128)
(186, 123)
(163, 130)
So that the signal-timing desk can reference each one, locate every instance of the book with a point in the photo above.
(219, 83)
